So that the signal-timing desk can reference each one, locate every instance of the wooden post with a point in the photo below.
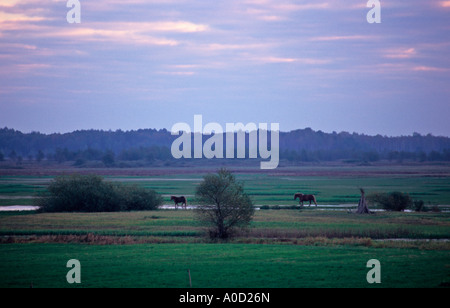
(362, 205)
(190, 282)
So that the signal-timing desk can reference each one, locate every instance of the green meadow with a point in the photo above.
(282, 248)
(219, 266)
(267, 226)
(332, 186)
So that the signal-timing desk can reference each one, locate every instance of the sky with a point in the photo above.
(153, 63)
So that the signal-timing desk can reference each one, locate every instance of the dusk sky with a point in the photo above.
(152, 63)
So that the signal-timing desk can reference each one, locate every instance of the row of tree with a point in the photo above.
(365, 156)
(162, 154)
(150, 145)
(108, 157)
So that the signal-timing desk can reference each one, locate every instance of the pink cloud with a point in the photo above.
(400, 53)
(341, 38)
(309, 61)
(134, 33)
(11, 17)
(429, 69)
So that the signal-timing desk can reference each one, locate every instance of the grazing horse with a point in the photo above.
(303, 197)
(177, 200)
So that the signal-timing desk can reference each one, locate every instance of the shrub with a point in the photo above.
(393, 201)
(435, 209)
(91, 193)
(419, 206)
(134, 198)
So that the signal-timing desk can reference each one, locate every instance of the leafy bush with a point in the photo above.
(136, 198)
(91, 193)
(393, 201)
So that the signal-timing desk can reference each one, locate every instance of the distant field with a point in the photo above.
(330, 184)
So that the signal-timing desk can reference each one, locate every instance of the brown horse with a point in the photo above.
(303, 197)
(177, 200)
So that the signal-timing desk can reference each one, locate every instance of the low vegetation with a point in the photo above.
(393, 201)
(91, 193)
(274, 226)
(398, 201)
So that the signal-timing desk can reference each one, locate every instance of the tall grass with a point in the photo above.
(373, 233)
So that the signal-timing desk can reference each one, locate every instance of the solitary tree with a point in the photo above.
(224, 206)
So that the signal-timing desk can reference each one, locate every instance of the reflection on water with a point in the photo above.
(18, 208)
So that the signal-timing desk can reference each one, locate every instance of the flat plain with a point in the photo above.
(285, 247)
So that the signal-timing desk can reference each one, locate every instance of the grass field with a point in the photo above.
(283, 248)
(219, 266)
(267, 225)
(331, 185)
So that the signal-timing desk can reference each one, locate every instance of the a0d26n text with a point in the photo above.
(246, 298)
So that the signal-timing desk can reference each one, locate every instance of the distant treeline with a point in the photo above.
(151, 145)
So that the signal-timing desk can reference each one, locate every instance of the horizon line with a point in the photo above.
(169, 131)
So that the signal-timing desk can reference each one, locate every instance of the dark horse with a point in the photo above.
(303, 197)
(177, 200)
